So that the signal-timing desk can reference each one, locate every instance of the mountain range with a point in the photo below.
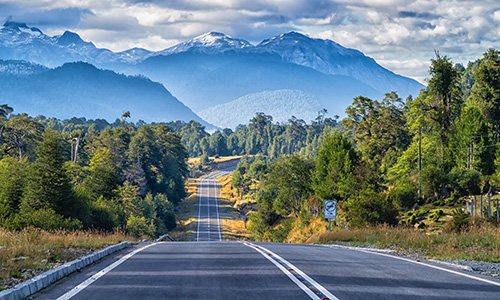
(214, 69)
(80, 89)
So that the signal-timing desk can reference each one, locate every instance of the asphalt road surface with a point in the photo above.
(211, 268)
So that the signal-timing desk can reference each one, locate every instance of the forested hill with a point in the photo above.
(74, 175)
(82, 90)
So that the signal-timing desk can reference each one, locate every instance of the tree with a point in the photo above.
(49, 186)
(379, 131)
(21, 133)
(335, 164)
(291, 178)
(472, 146)
(5, 111)
(485, 93)
(103, 178)
(125, 116)
(13, 175)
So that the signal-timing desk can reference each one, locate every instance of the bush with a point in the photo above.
(106, 214)
(466, 182)
(138, 227)
(370, 208)
(404, 194)
(459, 222)
(46, 219)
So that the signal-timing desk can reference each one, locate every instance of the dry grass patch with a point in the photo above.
(186, 213)
(26, 253)
(232, 219)
(480, 243)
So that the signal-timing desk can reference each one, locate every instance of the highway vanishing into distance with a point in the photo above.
(211, 268)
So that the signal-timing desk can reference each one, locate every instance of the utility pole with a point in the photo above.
(419, 162)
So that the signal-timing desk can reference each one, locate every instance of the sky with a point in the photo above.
(400, 34)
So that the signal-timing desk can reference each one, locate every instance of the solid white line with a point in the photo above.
(101, 273)
(199, 212)
(295, 280)
(421, 263)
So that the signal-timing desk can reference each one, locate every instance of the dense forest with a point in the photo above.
(386, 158)
(92, 175)
(389, 157)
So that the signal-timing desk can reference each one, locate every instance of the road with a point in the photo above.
(208, 221)
(211, 268)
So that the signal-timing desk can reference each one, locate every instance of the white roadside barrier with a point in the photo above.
(37, 283)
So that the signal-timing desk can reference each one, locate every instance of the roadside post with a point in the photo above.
(330, 212)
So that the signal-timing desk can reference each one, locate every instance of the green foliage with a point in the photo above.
(466, 182)
(13, 175)
(49, 186)
(165, 214)
(379, 130)
(370, 208)
(473, 148)
(46, 219)
(89, 174)
(485, 93)
(335, 163)
(404, 194)
(459, 222)
(291, 178)
(139, 227)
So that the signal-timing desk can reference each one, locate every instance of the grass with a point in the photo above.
(232, 220)
(480, 243)
(193, 161)
(187, 213)
(25, 254)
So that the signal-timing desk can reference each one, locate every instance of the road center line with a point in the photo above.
(418, 263)
(208, 209)
(216, 198)
(101, 273)
(199, 212)
(274, 258)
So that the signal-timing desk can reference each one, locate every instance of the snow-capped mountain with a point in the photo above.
(214, 68)
(21, 42)
(210, 42)
(331, 58)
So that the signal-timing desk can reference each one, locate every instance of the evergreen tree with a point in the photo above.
(49, 186)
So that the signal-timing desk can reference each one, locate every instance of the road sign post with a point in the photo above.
(330, 211)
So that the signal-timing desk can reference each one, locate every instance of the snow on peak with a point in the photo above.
(69, 38)
(210, 42)
(21, 28)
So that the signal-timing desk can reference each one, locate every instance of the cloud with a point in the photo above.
(401, 34)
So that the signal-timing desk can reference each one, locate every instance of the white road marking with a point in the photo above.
(101, 273)
(199, 213)
(208, 209)
(271, 255)
(419, 263)
(217, 208)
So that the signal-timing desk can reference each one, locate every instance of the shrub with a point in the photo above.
(459, 222)
(139, 227)
(404, 194)
(370, 208)
(46, 219)
(465, 182)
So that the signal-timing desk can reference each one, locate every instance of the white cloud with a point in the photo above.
(400, 34)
